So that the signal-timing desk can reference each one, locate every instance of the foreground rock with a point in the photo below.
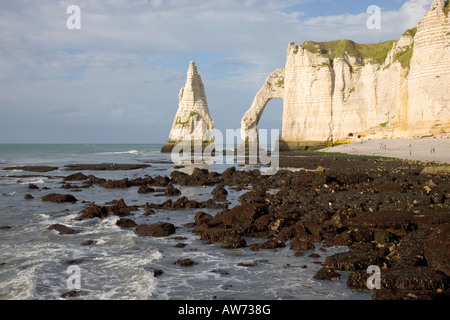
(160, 229)
(385, 211)
(118, 208)
(62, 229)
(32, 168)
(59, 198)
(105, 167)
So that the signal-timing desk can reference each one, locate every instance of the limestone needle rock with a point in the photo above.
(192, 121)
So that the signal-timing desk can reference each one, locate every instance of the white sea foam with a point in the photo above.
(20, 287)
(36, 180)
(120, 152)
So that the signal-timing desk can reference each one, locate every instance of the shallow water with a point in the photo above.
(34, 262)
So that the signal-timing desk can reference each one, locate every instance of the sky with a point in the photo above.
(117, 78)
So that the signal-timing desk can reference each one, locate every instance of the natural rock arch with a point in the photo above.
(273, 88)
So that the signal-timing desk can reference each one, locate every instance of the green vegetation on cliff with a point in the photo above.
(404, 57)
(372, 53)
(447, 7)
(410, 32)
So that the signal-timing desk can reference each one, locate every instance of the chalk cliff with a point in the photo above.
(341, 91)
(192, 121)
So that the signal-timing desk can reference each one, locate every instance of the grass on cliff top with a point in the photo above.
(447, 7)
(411, 32)
(375, 53)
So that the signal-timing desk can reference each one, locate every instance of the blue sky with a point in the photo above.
(117, 79)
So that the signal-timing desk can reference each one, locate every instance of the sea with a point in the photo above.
(40, 264)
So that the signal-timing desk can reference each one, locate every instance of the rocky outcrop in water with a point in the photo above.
(192, 121)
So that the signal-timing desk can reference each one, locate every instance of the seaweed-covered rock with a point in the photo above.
(299, 244)
(408, 278)
(159, 229)
(437, 251)
(352, 260)
(327, 274)
(62, 229)
(125, 223)
(233, 242)
(59, 198)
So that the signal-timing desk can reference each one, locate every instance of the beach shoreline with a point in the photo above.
(425, 149)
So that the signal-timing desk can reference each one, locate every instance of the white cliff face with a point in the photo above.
(429, 77)
(192, 120)
(334, 95)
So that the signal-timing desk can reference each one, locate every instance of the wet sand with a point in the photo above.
(427, 149)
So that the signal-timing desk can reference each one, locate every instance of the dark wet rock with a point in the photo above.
(244, 264)
(436, 250)
(126, 223)
(105, 166)
(298, 244)
(59, 198)
(88, 243)
(387, 219)
(75, 261)
(233, 242)
(184, 202)
(352, 260)
(180, 245)
(220, 271)
(327, 274)
(269, 244)
(410, 250)
(28, 197)
(241, 218)
(384, 236)
(69, 294)
(159, 229)
(199, 177)
(262, 223)
(361, 235)
(145, 189)
(314, 255)
(157, 272)
(408, 278)
(185, 262)
(5, 227)
(394, 294)
(32, 168)
(76, 177)
(119, 208)
(62, 229)
(113, 184)
(256, 195)
(170, 190)
(220, 193)
(215, 234)
(202, 217)
(93, 211)
(32, 186)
